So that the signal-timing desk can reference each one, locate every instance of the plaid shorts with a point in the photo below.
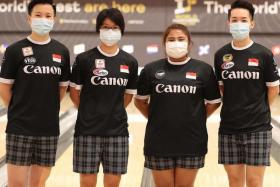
(164, 163)
(250, 149)
(90, 151)
(31, 150)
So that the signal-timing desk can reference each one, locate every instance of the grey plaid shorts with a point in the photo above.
(90, 151)
(250, 149)
(31, 150)
(164, 163)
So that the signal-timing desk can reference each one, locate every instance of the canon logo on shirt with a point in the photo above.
(96, 80)
(161, 88)
(30, 69)
(240, 75)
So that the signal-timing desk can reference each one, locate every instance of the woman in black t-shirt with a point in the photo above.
(176, 94)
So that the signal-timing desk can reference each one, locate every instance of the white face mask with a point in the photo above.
(240, 31)
(42, 26)
(110, 37)
(177, 49)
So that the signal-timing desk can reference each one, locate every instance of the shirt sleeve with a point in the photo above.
(9, 67)
(271, 75)
(76, 79)
(218, 69)
(144, 85)
(131, 87)
(65, 73)
(211, 88)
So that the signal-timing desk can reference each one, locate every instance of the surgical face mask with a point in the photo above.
(176, 49)
(239, 31)
(42, 26)
(110, 37)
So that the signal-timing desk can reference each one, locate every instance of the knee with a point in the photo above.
(254, 181)
(87, 181)
(112, 181)
(37, 182)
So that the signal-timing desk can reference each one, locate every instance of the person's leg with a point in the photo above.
(236, 175)
(88, 180)
(164, 178)
(114, 160)
(185, 177)
(38, 176)
(187, 169)
(43, 160)
(18, 158)
(254, 176)
(86, 159)
(257, 157)
(232, 156)
(17, 175)
(111, 180)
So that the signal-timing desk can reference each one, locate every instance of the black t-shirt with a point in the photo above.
(177, 115)
(103, 80)
(36, 70)
(245, 74)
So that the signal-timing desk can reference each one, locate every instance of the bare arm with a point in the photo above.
(6, 93)
(272, 93)
(127, 99)
(211, 108)
(75, 96)
(62, 91)
(143, 106)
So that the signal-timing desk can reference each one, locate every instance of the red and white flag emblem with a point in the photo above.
(191, 75)
(124, 69)
(253, 62)
(56, 58)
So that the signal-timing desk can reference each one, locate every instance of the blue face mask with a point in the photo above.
(41, 26)
(239, 31)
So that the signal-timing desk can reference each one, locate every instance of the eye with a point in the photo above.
(171, 39)
(181, 39)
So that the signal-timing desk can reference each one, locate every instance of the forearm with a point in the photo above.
(62, 92)
(272, 93)
(142, 106)
(6, 94)
(127, 99)
(211, 108)
(75, 97)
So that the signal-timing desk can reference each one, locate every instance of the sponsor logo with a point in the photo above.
(253, 62)
(124, 69)
(227, 58)
(31, 69)
(160, 74)
(183, 13)
(96, 80)
(56, 58)
(30, 60)
(240, 75)
(227, 65)
(27, 51)
(100, 72)
(191, 75)
(161, 88)
(100, 63)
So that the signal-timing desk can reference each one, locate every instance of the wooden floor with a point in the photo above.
(212, 175)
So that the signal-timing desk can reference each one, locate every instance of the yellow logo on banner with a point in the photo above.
(182, 13)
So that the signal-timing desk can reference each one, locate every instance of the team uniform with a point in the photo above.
(101, 134)
(176, 134)
(36, 71)
(245, 131)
